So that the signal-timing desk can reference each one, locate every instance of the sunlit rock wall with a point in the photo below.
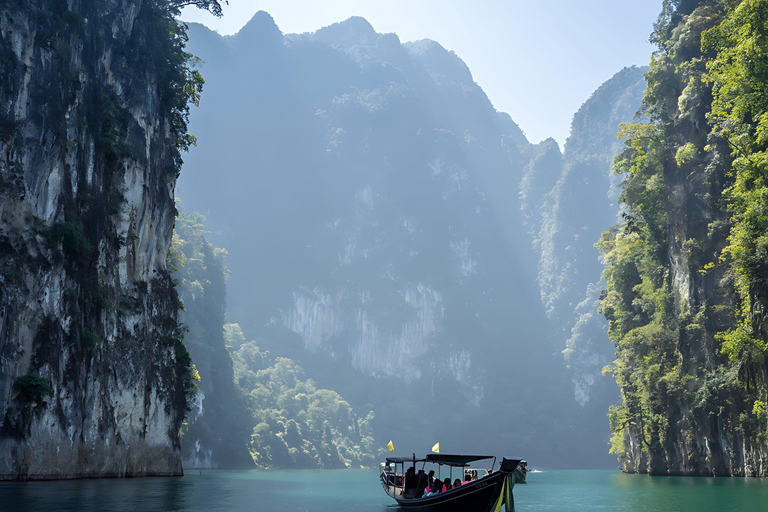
(381, 346)
(86, 215)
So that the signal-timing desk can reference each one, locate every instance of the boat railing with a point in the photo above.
(393, 483)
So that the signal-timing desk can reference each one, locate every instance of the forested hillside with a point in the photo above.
(295, 423)
(687, 283)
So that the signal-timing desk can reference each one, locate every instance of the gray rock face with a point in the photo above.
(86, 216)
(367, 193)
(568, 201)
(357, 184)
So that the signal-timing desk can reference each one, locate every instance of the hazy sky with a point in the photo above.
(537, 60)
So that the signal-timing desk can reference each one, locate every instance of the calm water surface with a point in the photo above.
(343, 491)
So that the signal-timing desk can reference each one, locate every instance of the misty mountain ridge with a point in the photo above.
(370, 198)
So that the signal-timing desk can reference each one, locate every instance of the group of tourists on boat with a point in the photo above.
(482, 490)
(421, 485)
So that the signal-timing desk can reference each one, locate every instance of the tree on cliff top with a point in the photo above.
(212, 6)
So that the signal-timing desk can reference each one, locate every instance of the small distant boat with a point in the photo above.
(491, 491)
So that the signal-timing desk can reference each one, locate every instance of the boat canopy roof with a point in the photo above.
(441, 458)
(402, 460)
(455, 460)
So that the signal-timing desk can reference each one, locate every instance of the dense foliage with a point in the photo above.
(180, 84)
(739, 79)
(218, 424)
(296, 424)
(32, 387)
(686, 282)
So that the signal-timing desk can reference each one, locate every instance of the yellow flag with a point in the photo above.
(436, 448)
(391, 446)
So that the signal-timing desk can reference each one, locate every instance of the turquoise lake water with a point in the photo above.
(359, 491)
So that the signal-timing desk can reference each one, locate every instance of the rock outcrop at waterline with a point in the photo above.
(93, 373)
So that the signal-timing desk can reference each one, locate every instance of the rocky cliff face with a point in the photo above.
(567, 211)
(367, 192)
(92, 370)
(356, 189)
(687, 266)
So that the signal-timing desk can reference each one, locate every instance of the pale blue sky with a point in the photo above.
(537, 60)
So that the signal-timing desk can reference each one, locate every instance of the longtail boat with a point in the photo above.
(487, 490)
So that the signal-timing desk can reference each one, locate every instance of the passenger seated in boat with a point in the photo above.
(431, 491)
(421, 482)
(410, 478)
(456, 483)
(409, 488)
(467, 479)
(431, 477)
(474, 475)
(447, 484)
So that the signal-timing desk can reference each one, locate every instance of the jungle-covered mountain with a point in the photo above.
(369, 196)
(295, 423)
(687, 282)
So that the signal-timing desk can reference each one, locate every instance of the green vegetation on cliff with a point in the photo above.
(739, 79)
(686, 281)
(296, 424)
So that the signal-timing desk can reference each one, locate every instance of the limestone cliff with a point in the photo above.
(367, 192)
(93, 373)
(686, 282)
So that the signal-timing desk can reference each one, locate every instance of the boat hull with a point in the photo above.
(474, 497)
